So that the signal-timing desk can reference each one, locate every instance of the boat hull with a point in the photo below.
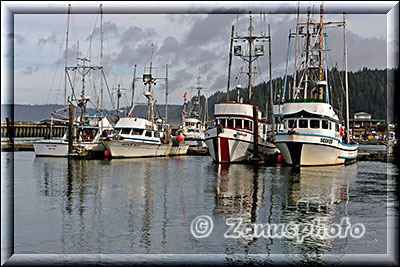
(234, 146)
(126, 149)
(314, 150)
(51, 148)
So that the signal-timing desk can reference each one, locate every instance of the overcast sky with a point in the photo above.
(190, 37)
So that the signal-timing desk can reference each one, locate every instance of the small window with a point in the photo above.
(137, 131)
(337, 127)
(238, 124)
(303, 123)
(251, 125)
(149, 133)
(314, 124)
(125, 131)
(330, 125)
(230, 123)
(156, 134)
(291, 124)
(263, 128)
(222, 122)
(246, 124)
(325, 124)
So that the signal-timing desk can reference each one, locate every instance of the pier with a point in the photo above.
(21, 129)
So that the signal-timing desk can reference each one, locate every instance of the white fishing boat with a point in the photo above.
(137, 137)
(87, 143)
(313, 134)
(193, 132)
(239, 133)
(193, 127)
(88, 129)
(232, 140)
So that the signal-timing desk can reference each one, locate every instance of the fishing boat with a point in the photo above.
(239, 133)
(87, 142)
(138, 137)
(193, 128)
(313, 134)
(88, 129)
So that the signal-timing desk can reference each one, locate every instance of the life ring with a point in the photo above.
(341, 131)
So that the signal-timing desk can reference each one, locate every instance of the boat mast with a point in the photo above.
(66, 60)
(346, 79)
(320, 51)
(101, 63)
(230, 64)
(166, 94)
(250, 43)
(296, 52)
(307, 56)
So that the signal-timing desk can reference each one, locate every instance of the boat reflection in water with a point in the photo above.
(318, 198)
(141, 206)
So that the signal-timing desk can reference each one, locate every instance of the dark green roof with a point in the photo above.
(373, 120)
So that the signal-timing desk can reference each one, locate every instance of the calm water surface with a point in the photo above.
(135, 206)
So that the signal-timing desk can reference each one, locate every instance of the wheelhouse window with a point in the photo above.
(137, 131)
(230, 123)
(222, 122)
(303, 123)
(149, 133)
(337, 127)
(291, 124)
(314, 124)
(325, 124)
(251, 125)
(238, 124)
(246, 124)
(125, 131)
(156, 134)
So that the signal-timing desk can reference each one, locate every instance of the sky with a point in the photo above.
(193, 38)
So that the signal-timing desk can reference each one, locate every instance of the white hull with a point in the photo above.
(51, 148)
(127, 149)
(59, 148)
(233, 146)
(314, 150)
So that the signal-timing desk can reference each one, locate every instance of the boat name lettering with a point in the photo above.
(326, 141)
(240, 133)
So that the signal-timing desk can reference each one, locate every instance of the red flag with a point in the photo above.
(185, 96)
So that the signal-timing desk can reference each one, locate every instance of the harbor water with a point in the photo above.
(155, 206)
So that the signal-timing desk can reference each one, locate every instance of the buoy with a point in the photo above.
(107, 153)
(280, 158)
(179, 138)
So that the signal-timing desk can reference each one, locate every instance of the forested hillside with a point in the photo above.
(367, 92)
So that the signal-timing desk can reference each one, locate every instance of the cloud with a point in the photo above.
(29, 70)
(134, 34)
(52, 39)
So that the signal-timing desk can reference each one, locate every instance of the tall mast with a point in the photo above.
(166, 94)
(66, 59)
(133, 86)
(229, 68)
(250, 43)
(320, 50)
(296, 51)
(307, 52)
(101, 63)
(346, 79)
(270, 79)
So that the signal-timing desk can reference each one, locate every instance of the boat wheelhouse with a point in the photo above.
(232, 137)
